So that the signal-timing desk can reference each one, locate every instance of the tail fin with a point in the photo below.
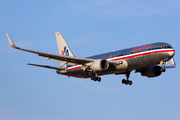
(62, 45)
(63, 48)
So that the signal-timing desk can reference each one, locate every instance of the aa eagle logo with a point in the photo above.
(65, 51)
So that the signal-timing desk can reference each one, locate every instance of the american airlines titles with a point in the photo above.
(141, 48)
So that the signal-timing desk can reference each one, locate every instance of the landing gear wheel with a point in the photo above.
(130, 82)
(95, 79)
(123, 81)
(99, 79)
(127, 82)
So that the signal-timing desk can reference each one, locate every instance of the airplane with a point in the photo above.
(145, 59)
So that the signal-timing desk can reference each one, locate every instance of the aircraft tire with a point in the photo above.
(99, 79)
(130, 82)
(123, 81)
(127, 82)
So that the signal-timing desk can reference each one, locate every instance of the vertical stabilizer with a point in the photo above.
(63, 47)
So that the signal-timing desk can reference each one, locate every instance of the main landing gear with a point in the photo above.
(127, 81)
(96, 78)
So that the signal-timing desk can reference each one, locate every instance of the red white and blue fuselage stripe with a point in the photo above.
(133, 55)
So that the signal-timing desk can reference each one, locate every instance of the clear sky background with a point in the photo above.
(90, 28)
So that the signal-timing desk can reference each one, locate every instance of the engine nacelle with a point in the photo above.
(152, 71)
(99, 65)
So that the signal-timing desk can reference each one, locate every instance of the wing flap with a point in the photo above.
(64, 62)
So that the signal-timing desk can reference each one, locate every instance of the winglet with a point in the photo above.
(173, 64)
(11, 42)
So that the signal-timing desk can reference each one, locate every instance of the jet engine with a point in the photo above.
(99, 65)
(152, 71)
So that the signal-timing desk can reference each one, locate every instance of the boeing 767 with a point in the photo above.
(145, 59)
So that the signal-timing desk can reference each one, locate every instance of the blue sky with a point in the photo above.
(90, 28)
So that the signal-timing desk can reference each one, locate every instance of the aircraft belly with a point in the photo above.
(76, 73)
(88, 74)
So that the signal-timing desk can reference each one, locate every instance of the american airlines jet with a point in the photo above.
(144, 59)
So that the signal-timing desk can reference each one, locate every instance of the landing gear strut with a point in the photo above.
(127, 81)
(163, 67)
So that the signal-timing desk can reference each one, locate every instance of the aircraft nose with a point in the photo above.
(171, 53)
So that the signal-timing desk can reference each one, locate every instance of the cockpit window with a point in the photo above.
(167, 46)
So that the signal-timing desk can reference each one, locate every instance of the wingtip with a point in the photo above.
(11, 42)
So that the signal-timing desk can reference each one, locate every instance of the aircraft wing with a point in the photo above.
(56, 57)
(47, 66)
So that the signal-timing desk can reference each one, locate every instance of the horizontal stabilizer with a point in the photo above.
(46, 66)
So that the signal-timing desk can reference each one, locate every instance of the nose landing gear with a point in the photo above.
(163, 66)
(127, 81)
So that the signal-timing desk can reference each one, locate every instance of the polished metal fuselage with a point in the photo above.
(136, 58)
